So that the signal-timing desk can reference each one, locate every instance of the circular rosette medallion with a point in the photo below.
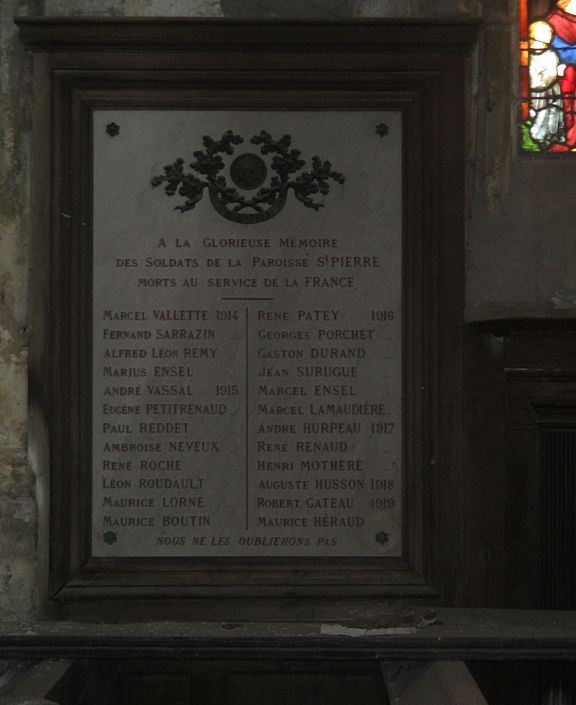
(248, 171)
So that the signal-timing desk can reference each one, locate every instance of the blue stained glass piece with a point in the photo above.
(566, 52)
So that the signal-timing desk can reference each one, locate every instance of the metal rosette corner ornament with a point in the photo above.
(276, 171)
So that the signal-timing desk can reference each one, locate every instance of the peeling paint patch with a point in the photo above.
(294, 8)
(172, 8)
(13, 345)
(17, 527)
(470, 8)
(401, 622)
(132, 8)
(89, 8)
(388, 8)
(565, 299)
(13, 392)
(17, 580)
(13, 340)
(445, 8)
(16, 479)
(17, 505)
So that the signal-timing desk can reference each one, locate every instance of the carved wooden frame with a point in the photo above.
(419, 68)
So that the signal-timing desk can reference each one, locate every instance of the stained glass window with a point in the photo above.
(548, 76)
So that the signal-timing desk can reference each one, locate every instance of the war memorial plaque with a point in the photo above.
(246, 366)
(247, 333)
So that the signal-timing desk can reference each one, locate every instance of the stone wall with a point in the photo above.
(521, 253)
(17, 505)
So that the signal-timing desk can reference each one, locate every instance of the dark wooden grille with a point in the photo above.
(558, 483)
(557, 465)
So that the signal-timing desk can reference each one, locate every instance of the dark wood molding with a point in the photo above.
(178, 33)
(508, 327)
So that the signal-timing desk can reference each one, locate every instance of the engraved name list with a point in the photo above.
(247, 334)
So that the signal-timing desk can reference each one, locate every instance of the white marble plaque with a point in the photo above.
(247, 334)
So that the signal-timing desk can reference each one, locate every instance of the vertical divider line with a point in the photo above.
(247, 410)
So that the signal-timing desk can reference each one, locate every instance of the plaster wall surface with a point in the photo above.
(521, 253)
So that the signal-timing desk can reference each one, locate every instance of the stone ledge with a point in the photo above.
(466, 634)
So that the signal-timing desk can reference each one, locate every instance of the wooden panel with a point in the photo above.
(437, 683)
(531, 396)
(305, 688)
(557, 468)
(240, 683)
(33, 682)
(539, 386)
(153, 689)
(485, 476)
(508, 683)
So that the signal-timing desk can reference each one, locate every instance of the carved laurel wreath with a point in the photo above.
(248, 171)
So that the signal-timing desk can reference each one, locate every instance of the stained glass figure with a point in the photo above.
(548, 75)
